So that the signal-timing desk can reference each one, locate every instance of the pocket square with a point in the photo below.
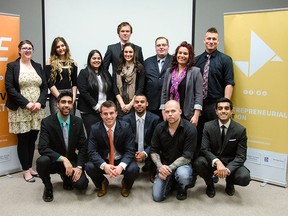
(231, 140)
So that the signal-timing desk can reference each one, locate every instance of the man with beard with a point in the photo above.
(172, 148)
(63, 148)
(143, 124)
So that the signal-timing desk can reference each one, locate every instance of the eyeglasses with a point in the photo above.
(27, 49)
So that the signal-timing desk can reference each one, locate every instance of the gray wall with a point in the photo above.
(30, 12)
(211, 12)
(208, 13)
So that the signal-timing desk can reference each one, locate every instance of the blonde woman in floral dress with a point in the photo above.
(26, 88)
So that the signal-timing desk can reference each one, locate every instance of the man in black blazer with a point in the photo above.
(58, 155)
(112, 55)
(111, 151)
(224, 146)
(155, 68)
(150, 121)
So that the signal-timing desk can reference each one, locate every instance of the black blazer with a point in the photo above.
(88, 97)
(112, 55)
(98, 143)
(51, 141)
(151, 121)
(232, 152)
(154, 80)
(14, 98)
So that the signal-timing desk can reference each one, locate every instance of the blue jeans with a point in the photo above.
(161, 188)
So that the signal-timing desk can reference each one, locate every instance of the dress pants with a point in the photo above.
(45, 167)
(97, 175)
(240, 176)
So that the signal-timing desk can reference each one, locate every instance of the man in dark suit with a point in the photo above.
(224, 148)
(143, 122)
(112, 55)
(61, 136)
(155, 68)
(111, 151)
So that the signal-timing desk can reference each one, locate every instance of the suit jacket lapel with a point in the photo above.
(116, 133)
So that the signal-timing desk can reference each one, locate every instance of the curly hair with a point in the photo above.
(57, 63)
(191, 60)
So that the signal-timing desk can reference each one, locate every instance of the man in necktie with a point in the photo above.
(143, 124)
(218, 80)
(111, 160)
(224, 149)
(155, 70)
(61, 136)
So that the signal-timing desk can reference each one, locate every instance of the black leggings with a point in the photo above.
(26, 147)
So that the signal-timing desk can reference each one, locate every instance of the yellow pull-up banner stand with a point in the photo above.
(257, 43)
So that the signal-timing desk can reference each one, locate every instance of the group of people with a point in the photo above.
(170, 112)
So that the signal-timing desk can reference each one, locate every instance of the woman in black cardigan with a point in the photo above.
(26, 88)
(95, 86)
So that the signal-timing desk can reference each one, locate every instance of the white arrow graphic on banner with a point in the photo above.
(260, 54)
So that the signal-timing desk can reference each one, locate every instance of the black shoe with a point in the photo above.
(181, 195)
(48, 194)
(230, 190)
(215, 179)
(210, 190)
(66, 183)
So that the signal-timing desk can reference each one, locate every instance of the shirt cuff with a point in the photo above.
(80, 167)
(146, 155)
(102, 165)
(162, 107)
(214, 161)
(59, 159)
(124, 165)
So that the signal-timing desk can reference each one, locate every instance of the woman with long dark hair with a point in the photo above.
(95, 87)
(129, 79)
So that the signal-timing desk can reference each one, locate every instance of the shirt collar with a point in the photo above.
(226, 125)
(112, 128)
(163, 59)
(138, 117)
(62, 120)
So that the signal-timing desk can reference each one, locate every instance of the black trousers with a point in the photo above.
(240, 176)
(45, 167)
(26, 147)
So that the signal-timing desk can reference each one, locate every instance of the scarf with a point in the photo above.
(175, 81)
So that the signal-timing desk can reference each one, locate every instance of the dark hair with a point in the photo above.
(92, 77)
(124, 24)
(221, 100)
(161, 37)
(24, 42)
(212, 30)
(63, 94)
(108, 104)
(191, 60)
(137, 65)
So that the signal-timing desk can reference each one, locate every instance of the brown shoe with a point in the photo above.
(124, 190)
(103, 188)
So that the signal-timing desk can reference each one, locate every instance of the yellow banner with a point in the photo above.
(9, 40)
(257, 42)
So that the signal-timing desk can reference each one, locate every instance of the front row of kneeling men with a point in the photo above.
(166, 148)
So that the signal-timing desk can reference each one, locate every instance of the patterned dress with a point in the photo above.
(23, 120)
